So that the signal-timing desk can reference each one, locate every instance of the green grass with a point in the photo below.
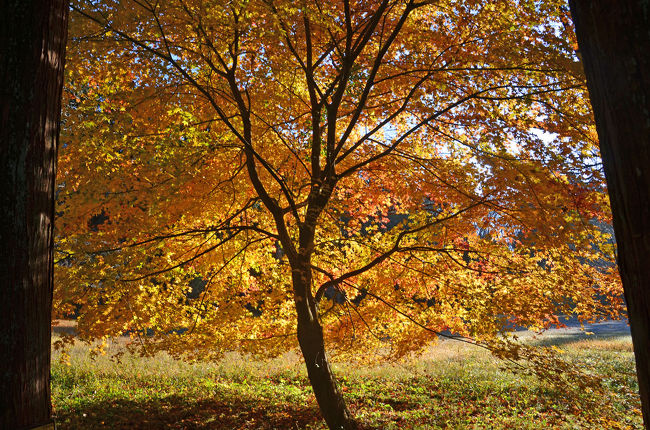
(451, 386)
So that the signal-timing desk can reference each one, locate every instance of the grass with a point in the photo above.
(451, 386)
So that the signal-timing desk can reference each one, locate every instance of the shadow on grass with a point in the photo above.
(178, 413)
(571, 338)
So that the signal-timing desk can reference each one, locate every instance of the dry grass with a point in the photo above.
(451, 385)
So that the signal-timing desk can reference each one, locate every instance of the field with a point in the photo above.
(451, 385)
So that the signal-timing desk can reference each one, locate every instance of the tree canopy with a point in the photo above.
(236, 173)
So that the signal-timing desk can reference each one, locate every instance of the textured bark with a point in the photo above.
(310, 338)
(614, 41)
(32, 47)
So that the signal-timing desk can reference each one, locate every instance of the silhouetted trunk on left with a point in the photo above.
(32, 50)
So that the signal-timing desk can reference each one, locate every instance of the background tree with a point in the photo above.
(32, 47)
(353, 176)
(615, 47)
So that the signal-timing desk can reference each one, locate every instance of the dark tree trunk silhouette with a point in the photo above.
(614, 41)
(32, 47)
(310, 332)
(312, 345)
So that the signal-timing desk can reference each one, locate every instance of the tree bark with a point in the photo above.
(310, 338)
(32, 49)
(614, 41)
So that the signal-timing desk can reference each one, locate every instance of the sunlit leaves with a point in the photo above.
(450, 146)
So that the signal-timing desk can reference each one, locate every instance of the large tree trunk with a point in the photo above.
(32, 46)
(310, 338)
(614, 40)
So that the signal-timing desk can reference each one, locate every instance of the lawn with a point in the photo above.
(451, 385)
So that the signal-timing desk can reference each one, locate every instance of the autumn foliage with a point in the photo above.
(234, 173)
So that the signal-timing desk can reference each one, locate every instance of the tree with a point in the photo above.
(350, 176)
(32, 42)
(615, 46)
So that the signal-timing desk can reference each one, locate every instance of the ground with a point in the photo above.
(450, 386)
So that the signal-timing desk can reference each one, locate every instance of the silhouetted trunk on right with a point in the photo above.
(614, 41)
(32, 49)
